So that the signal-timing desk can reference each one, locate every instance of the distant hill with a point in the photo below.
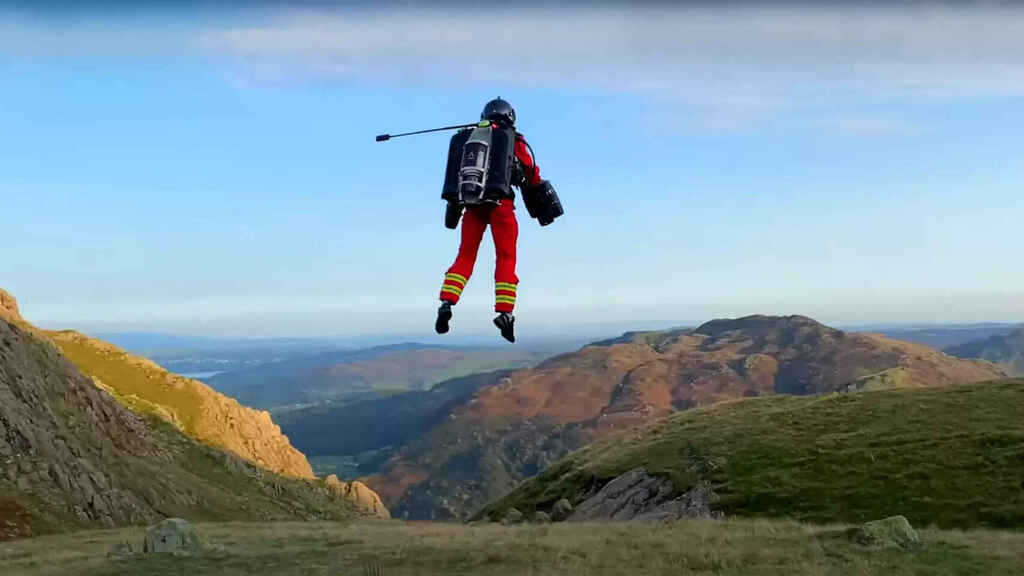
(515, 428)
(1005, 350)
(344, 376)
(950, 457)
(944, 336)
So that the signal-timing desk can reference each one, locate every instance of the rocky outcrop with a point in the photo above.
(190, 405)
(359, 494)
(56, 432)
(639, 496)
(9, 307)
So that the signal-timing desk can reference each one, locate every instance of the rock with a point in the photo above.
(541, 518)
(359, 494)
(888, 532)
(172, 536)
(9, 307)
(512, 516)
(561, 510)
(121, 550)
(638, 496)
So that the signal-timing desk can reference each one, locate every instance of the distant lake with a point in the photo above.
(200, 375)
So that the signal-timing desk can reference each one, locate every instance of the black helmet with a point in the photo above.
(499, 111)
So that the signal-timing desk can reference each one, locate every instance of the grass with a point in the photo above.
(738, 547)
(142, 386)
(952, 457)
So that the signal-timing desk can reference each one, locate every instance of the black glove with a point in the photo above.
(542, 203)
(452, 214)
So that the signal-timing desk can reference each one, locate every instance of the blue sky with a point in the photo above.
(213, 171)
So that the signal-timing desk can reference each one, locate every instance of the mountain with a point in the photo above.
(943, 336)
(344, 376)
(72, 455)
(1005, 350)
(515, 428)
(948, 457)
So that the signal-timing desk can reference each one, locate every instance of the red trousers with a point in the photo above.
(505, 231)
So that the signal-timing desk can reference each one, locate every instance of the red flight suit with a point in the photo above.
(504, 230)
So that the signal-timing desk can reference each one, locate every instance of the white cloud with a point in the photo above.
(748, 59)
(739, 57)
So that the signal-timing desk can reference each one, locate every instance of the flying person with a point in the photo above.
(484, 163)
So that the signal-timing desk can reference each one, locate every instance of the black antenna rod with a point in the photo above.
(386, 137)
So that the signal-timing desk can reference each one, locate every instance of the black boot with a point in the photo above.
(506, 323)
(444, 315)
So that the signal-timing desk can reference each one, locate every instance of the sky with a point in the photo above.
(209, 169)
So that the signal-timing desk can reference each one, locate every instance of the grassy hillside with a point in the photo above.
(952, 457)
(737, 548)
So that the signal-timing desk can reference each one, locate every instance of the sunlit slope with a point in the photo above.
(952, 457)
(192, 406)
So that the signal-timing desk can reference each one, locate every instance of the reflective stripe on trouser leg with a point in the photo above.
(504, 296)
(474, 222)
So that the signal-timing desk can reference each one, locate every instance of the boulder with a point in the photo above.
(121, 550)
(541, 518)
(888, 532)
(561, 510)
(512, 516)
(172, 536)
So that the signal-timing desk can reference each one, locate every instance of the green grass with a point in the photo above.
(950, 457)
(405, 549)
